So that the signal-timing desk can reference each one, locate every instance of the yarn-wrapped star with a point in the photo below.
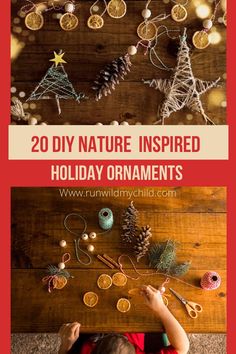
(182, 89)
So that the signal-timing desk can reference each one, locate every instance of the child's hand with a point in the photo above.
(69, 334)
(153, 298)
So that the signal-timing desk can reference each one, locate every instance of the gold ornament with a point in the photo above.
(69, 21)
(179, 13)
(201, 40)
(34, 21)
(116, 8)
(95, 22)
(147, 31)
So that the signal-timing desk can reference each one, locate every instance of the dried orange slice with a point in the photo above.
(201, 40)
(34, 21)
(104, 281)
(59, 282)
(95, 22)
(123, 305)
(225, 19)
(147, 31)
(69, 21)
(179, 13)
(116, 8)
(119, 279)
(90, 299)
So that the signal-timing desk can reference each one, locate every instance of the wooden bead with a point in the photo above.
(92, 235)
(90, 248)
(132, 50)
(43, 123)
(114, 122)
(62, 243)
(69, 7)
(207, 24)
(99, 123)
(146, 13)
(162, 289)
(32, 121)
(61, 265)
(124, 123)
(84, 237)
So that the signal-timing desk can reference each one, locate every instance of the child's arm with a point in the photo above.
(174, 331)
(69, 334)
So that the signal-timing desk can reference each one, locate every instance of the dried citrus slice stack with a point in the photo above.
(59, 282)
(104, 281)
(123, 305)
(119, 279)
(90, 299)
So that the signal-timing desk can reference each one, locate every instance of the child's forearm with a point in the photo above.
(176, 334)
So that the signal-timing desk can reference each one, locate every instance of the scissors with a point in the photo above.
(192, 308)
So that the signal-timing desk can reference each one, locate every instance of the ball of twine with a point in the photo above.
(210, 281)
(105, 218)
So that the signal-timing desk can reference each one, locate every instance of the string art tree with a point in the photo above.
(182, 89)
(56, 84)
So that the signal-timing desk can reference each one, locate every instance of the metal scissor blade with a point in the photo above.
(178, 296)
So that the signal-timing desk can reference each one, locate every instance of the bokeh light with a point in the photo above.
(203, 11)
(215, 37)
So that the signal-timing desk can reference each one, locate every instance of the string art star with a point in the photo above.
(182, 89)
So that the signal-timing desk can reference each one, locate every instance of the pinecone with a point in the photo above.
(129, 224)
(109, 77)
(142, 242)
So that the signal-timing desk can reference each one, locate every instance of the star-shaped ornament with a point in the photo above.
(58, 59)
(182, 89)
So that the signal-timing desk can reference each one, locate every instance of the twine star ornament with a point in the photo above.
(58, 59)
(182, 89)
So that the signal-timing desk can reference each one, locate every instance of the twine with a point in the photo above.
(211, 281)
(139, 274)
(105, 219)
(79, 234)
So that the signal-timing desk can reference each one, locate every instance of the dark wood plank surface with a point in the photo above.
(194, 217)
(87, 52)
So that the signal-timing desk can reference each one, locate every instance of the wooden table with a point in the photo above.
(195, 217)
(88, 51)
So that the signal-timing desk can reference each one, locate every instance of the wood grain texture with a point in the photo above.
(195, 217)
(87, 52)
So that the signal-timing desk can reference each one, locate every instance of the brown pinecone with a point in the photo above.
(109, 77)
(142, 242)
(129, 224)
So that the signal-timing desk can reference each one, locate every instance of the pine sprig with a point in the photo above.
(162, 257)
(52, 270)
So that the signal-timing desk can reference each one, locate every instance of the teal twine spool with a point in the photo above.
(105, 218)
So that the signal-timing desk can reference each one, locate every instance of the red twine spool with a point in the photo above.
(210, 281)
